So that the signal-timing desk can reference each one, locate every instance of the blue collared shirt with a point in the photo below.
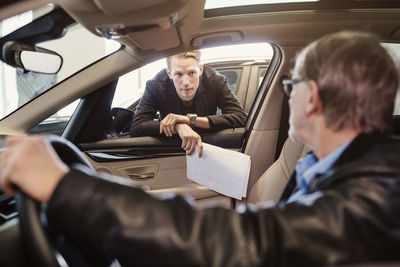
(308, 167)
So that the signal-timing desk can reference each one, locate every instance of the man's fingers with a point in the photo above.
(190, 139)
(162, 126)
(7, 187)
(12, 140)
(189, 146)
(168, 130)
(192, 147)
(167, 125)
(200, 146)
(5, 168)
(184, 142)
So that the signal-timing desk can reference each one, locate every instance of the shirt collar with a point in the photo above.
(309, 166)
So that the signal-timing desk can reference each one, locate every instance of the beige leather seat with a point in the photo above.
(271, 184)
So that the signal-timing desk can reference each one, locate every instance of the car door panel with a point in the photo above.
(168, 175)
(158, 164)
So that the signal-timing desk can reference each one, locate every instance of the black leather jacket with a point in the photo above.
(356, 218)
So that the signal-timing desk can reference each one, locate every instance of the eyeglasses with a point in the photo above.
(288, 85)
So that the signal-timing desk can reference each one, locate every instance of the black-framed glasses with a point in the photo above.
(287, 85)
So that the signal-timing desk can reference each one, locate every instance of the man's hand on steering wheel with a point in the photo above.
(30, 163)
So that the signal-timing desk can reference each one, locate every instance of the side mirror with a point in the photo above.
(31, 58)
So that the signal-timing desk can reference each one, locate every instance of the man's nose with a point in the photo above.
(186, 80)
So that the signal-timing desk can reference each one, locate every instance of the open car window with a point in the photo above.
(243, 66)
(227, 60)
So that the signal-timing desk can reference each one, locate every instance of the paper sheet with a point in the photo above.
(222, 170)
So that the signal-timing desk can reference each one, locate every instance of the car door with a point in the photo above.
(159, 164)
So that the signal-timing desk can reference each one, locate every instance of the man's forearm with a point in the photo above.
(96, 217)
(149, 128)
(202, 122)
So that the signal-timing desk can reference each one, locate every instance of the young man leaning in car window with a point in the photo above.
(341, 204)
(186, 94)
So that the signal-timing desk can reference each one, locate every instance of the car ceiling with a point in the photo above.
(155, 28)
(284, 24)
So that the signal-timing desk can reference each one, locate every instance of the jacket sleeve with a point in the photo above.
(137, 229)
(143, 123)
(233, 115)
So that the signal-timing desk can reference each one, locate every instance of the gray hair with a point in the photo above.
(357, 80)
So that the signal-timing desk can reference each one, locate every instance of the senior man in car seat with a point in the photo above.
(187, 95)
(342, 204)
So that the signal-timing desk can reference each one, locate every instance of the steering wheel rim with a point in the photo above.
(36, 242)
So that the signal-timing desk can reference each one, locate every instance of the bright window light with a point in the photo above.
(212, 4)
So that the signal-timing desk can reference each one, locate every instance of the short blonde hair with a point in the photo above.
(196, 54)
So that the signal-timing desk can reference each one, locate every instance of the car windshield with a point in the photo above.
(78, 48)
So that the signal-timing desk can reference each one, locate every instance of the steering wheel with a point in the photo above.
(36, 243)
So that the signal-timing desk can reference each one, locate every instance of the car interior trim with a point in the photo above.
(262, 92)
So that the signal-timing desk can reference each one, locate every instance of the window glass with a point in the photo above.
(131, 86)
(78, 48)
(394, 51)
(233, 77)
(261, 73)
(57, 122)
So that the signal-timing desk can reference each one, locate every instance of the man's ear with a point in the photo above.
(201, 69)
(314, 103)
(169, 73)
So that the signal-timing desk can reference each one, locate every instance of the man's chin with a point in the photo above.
(186, 98)
(295, 138)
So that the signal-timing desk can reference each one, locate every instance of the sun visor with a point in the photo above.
(118, 7)
(150, 24)
(145, 40)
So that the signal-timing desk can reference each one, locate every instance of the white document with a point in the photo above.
(222, 170)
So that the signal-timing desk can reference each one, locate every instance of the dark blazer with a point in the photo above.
(213, 92)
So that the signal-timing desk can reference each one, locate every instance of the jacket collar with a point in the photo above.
(363, 146)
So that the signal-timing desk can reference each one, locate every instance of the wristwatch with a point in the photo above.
(192, 118)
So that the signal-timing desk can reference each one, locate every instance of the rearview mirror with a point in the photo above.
(31, 58)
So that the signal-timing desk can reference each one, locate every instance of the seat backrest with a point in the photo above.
(271, 184)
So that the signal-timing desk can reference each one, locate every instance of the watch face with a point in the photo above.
(192, 118)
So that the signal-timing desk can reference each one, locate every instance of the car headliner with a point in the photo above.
(283, 23)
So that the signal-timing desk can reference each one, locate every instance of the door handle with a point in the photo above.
(147, 175)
